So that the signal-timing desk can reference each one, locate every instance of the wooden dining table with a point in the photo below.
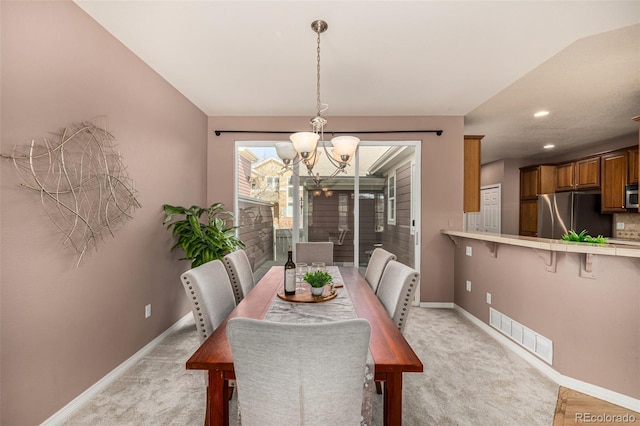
(391, 352)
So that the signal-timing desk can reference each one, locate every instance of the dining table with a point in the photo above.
(392, 355)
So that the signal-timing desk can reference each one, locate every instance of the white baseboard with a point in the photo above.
(438, 305)
(562, 380)
(68, 410)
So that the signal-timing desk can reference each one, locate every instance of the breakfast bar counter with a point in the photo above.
(612, 248)
(546, 249)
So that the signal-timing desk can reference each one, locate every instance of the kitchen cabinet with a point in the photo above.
(536, 180)
(529, 218)
(613, 178)
(636, 164)
(471, 197)
(588, 173)
(633, 166)
(578, 175)
(565, 177)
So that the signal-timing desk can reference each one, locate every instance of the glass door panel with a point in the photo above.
(387, 205)
(277, 206)
(329, 205)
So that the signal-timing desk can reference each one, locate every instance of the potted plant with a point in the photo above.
(317, 280)
(202, 242)
(583, 237)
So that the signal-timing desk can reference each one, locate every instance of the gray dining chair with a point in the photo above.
(295, 374)
(209, 292)
(378, 261)
(395, 291)
(321, 251)
(240, 274)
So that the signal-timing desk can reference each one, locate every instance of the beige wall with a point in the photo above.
(441, 179)
(593, 323)
(64, 328)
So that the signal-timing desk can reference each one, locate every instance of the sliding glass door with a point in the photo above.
(374, 204)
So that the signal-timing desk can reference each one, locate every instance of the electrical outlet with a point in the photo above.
(147, 311)
(619, 226)
(488, 298)
(468, 251)
(468, 285)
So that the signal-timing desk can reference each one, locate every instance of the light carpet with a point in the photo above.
(468, 379)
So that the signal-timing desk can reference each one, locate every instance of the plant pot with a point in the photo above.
(317, 291)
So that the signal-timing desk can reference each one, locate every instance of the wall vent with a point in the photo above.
(529, 339)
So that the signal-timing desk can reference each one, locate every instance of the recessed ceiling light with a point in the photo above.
(549, 146)
(541, 113)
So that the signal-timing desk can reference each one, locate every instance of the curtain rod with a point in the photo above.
(437, 132)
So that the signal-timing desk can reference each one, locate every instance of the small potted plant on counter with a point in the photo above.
(583, 237)
(317, 280)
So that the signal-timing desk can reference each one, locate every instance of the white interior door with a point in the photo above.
(488, 219)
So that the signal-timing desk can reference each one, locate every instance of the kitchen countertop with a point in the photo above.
(615, 247)
(623, 242)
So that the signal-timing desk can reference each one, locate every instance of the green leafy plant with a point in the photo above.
(202, 242)
(318, 278)
(583, 237)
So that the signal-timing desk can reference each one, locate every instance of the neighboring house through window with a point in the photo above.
(272, 183)
(288, 210)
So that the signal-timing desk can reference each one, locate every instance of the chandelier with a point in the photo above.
(304, 147)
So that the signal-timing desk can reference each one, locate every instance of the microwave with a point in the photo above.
(631, 196)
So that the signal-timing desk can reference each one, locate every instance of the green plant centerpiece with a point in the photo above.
(202, 241)
(583, 237)
(317, 280)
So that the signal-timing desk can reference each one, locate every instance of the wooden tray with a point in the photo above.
(307, 297)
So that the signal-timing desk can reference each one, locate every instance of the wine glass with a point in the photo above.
(318, 266)
(301, 269)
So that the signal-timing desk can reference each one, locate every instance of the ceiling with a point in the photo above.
(496, 63)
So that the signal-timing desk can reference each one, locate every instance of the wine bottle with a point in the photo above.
(289, 275)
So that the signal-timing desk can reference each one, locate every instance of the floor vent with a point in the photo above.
(529, 339)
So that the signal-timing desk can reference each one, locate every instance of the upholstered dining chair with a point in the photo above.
(299, 374)
(210, 295)
(310, 252)
(395, 290)
(379, 259)
(240, 274)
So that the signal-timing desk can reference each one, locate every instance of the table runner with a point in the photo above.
(336, 309)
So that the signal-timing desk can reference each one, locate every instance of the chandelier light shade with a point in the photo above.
(305, 146)
(286, 152)
(305, 143)
(345, 146)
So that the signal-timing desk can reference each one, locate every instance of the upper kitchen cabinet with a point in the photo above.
(633, 165)
(578, 175)
(471, 197)
(565, 177)
(588, 173)
(614, 178)
(535, 180)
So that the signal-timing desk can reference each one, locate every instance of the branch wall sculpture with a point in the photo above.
(82, 181)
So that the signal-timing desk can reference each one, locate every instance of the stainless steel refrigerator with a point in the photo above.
(558, 213)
